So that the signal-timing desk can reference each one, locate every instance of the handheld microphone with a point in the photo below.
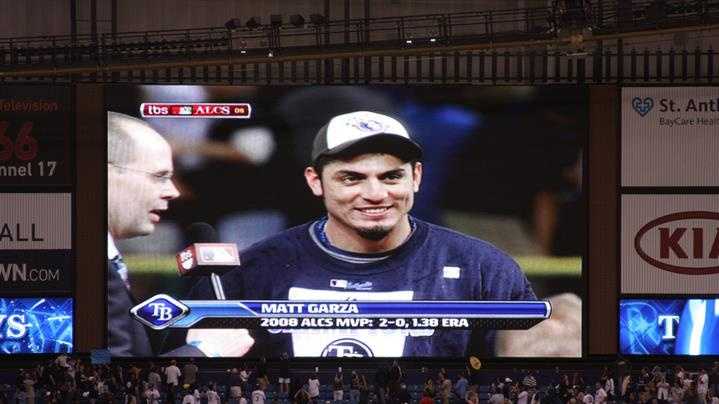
(206, 256)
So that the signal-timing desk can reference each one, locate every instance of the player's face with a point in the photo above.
(139, 191)
(369, 195)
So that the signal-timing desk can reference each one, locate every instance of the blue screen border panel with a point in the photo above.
(42, 325)
(669, 326)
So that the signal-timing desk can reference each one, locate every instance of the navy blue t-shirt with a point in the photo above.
(435, 263)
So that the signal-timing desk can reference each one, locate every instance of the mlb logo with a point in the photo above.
(185, 110)
(159, 311)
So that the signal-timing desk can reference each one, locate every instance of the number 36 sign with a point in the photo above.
(35, 135)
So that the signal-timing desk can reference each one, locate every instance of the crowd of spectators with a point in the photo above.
(657, 384)
(74, 380)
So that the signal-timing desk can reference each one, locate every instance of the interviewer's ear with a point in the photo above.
(313, 181)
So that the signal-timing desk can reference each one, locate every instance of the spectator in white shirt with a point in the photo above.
(152, 395)
(712, 398)
(677, 393)
(338, 387)
(609, 387)
(236, 385)
(212, 396)
(313, 387)
(497, 397)
(663, 390)
(172, 380)
(523, 396)
(191, 397)
(153, 377)
(258, 396)
(600, 395)
(703, 385)
(172, 374)
(244, 375)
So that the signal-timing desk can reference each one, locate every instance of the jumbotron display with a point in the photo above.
(345, 221)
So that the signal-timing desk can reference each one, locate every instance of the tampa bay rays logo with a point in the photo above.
(159, 311)
(642, 106)
(347, 348)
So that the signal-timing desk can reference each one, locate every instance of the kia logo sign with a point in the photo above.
(695, 242)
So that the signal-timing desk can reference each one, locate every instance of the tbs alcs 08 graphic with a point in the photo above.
(195, 110)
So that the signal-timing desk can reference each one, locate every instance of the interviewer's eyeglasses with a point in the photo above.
(164, 178)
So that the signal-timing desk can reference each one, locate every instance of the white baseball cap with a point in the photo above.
(348, 131)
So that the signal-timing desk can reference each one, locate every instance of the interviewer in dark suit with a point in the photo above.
(139, 188)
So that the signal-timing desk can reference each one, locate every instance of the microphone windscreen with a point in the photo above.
(201, 232)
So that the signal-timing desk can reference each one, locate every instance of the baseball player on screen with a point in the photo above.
(366, 169)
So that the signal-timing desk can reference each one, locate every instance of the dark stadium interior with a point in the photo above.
(525, 110)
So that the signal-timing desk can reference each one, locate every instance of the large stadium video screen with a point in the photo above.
(345, 221)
